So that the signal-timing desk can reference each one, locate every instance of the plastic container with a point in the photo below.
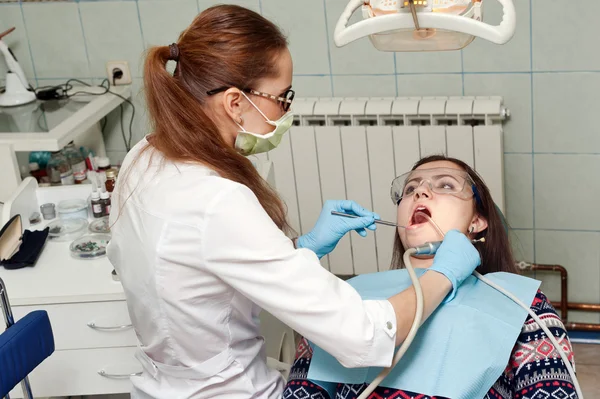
(91, 246)
(48, 211)
(67, 229)
(100, 226)
(73, 209)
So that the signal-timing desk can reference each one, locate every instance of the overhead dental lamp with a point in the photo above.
(18, 91)
(423, 25)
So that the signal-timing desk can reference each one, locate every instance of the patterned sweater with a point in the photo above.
(535, 369)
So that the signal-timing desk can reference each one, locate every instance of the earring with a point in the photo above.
(241, 120)
(472, 229)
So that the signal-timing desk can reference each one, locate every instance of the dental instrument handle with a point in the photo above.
(376, 221)
(430, 248)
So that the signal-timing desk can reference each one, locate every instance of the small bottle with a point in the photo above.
(111, 176)
(77, 162)
(97, 210)
(103, 166)
(106, 203)
(35, 171)
(59, 170)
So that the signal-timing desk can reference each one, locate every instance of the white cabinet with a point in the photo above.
(77, 372)
(87, 325)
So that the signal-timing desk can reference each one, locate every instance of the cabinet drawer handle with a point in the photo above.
(93, 325)
(118, 376)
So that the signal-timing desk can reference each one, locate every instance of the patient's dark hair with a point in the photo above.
(496, 253)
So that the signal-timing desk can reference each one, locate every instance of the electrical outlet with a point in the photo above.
(123, 66)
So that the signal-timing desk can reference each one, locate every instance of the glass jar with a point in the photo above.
(59, 170)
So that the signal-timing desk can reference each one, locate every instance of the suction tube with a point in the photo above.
(431, 248)
(413, 329)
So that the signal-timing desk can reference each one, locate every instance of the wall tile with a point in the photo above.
(563, 37)
(56, 52)
(566, 195)
(566, 108)
(253, 5)
(516, 91)
(163, 22)
(514, 56)
(113, 136)
(304, 22)
(112, 33)
(518, 190)
(364, 86)
(312, 86)
(522, 243)
(579, 253)
(429, 85)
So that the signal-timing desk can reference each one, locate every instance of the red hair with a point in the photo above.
(225, 45)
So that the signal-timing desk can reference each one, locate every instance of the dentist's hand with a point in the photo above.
(330, 229)
(456, 259)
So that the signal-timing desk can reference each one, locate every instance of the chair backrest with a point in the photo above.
(503, 219)
(23, 346)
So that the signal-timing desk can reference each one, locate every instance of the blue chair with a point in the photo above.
(23, 346)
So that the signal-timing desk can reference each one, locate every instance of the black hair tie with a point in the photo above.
(173, 52)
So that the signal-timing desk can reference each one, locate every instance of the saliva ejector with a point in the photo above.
(430, 248)
(423, 25)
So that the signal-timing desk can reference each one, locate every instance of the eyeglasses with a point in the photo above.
(440, 181)
(285, 99)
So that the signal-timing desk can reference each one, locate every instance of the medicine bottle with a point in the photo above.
(106, 203)
(111, 180)
(97, 209)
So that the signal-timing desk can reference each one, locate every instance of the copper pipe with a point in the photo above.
(564, 304)
(582, 326)
(586, 307)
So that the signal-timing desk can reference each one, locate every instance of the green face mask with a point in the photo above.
(248, 143)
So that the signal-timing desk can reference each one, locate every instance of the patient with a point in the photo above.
(457, 198)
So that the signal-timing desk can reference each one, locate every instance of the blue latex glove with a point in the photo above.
(456, 259)
(330, 229)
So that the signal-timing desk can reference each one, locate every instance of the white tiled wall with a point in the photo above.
(549, 75)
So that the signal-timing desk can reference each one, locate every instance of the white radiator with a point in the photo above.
(354, 147)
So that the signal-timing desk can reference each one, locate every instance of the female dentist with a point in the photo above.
(198, 237)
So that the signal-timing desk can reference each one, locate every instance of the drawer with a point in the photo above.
(69, 373)
(87, 325)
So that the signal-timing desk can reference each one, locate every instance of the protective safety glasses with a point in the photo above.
(285, 99)
(439, 180)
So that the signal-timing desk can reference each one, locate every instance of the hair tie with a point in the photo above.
(173, 52)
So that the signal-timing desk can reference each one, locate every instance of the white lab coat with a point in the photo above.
(198, 258)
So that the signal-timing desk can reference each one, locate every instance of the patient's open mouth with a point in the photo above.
(420, 215)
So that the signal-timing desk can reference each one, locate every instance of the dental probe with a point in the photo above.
(376, 221)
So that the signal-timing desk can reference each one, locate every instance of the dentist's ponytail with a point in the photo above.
(225, 45)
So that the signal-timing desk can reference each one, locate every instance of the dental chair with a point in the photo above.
(23, 346)
(280, 345)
